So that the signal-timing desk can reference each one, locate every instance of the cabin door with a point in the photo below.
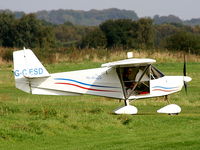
(135, 80)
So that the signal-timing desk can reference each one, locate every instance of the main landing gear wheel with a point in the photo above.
(127, 109)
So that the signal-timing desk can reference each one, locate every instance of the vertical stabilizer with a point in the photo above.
(26, 67)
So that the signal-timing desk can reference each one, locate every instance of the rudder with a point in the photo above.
(26, 67)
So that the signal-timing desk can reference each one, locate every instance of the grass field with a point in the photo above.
(87, 123)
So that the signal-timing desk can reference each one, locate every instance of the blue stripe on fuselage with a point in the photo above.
(162, 87)
(84, 83)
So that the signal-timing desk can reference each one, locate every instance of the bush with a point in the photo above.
(7, 55)
(185, 41)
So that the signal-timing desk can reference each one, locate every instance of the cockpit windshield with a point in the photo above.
(155, 73)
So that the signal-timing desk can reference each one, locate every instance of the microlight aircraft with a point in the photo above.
(129, 79)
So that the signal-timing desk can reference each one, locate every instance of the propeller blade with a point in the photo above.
(184, 67)
(185, 73)
(185, 85)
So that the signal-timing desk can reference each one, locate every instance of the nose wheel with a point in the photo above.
(171, 109)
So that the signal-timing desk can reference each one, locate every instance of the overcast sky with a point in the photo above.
(185, 9)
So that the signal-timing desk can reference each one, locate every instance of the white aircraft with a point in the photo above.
(128, 79)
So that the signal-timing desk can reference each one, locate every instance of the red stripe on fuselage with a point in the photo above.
(163, 90)
(87, 88)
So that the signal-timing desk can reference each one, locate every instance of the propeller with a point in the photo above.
(185, 74)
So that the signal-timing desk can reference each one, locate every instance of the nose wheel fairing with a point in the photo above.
(171, 109)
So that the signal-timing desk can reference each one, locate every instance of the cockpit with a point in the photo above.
(135, 80)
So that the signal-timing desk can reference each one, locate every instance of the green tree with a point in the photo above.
(145, 33)
(120, 33)
(162, 32)
(94, 39)
(31, 33)
(111, 31)
(184, 41)
(6, 29)
(68, 34)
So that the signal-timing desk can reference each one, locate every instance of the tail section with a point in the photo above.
(26, 67)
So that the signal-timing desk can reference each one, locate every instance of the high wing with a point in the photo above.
(129, 62)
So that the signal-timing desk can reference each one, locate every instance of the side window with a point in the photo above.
(155, 73)
(135, 80)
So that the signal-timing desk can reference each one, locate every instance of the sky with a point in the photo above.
(185, 9)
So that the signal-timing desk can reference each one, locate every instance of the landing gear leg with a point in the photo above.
(126, 102)
(166, 99)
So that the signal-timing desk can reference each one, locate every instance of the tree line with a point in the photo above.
(96, 17)
(143, 34)
(88, 18)
(26, 31)
(31, 32)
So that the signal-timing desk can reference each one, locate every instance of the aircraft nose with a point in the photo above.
(187, 79)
